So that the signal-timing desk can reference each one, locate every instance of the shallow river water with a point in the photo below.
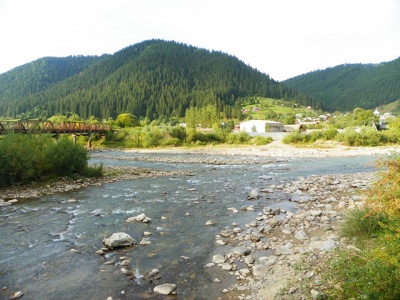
(37, 235)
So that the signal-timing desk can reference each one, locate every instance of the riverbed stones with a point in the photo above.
(260, 270)
(226, 233)
(218, 259)
(241, 251)
(17, 295)
(253, 195)
(141, 218)
(166, 289)
(210, 223)
(145, 242)
(4, 203)
(119, 239)
(126, 271)
(301, 235)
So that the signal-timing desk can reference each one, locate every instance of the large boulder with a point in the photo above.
(165, 289)
(119, 239)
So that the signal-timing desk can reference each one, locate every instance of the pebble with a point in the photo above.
(17, 295)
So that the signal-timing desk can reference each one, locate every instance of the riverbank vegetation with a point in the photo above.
(354, 129)
(371, 270)
(26, 158)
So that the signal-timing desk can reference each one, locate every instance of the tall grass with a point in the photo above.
(373, 272)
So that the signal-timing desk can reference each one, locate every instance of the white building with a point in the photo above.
(261, 126)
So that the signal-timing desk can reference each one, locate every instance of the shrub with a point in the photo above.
(93, 172)
(373, 273)
(384, 196)
(350, 137)
(358, 277)
(314, 136)
(172, 141)
(294, 138)
(22, 158)
(361, 223)
(372, 137)
(66, 158)
(28, 157)
(240, 137)
(331, 133)
(261, 140)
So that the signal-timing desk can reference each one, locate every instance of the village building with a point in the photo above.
(261, 126)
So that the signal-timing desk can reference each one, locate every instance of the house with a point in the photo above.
(261, 126)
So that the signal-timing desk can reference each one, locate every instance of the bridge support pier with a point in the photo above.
(89, 143)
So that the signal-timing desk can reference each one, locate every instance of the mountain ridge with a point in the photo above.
(348, 86)
(152, 79)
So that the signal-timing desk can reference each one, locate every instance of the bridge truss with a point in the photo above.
(38, 127)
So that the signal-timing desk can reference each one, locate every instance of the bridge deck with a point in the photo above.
(34, 126)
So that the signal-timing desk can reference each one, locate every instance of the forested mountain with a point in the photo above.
(40, 75)
(348, 86)
(154, 79)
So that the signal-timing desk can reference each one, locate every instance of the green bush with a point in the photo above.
(28, 157)
(331, 133)
(367, 136)
(172, 141)
(359, 277)
(66, 158)
(261, 140)
(314, 136)
(240, 137)
(94, 171)
(361, 223)
(22, 158)
(350, 137)
(295, 138)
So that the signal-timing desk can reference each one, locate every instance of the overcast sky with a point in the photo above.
(282, 38)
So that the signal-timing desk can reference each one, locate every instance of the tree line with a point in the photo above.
(345, 87)
(154, 79)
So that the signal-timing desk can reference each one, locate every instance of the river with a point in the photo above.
(48, 244)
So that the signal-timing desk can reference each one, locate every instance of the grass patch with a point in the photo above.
(374, 271)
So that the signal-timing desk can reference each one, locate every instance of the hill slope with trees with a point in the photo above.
(154, 79)
(348, 86)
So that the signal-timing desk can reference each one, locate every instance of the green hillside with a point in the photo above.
(393, 107)
(40, 75)
(153, 79)
(348, 86)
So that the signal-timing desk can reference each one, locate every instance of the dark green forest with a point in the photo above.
(153, 79)
(348, 86)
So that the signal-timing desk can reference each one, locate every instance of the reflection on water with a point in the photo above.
(48, 245)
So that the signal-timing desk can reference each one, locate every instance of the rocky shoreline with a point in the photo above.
(300, 241)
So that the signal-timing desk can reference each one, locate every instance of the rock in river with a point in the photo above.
(119, 239)
(253, 195)
(139, 218)
(165, 289)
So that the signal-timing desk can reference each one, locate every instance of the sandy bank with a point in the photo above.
(279, 149)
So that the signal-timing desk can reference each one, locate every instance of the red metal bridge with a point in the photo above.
(36, 127)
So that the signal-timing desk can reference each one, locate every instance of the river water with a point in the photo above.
(37, 235)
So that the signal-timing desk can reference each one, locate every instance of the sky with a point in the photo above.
(282, 38)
